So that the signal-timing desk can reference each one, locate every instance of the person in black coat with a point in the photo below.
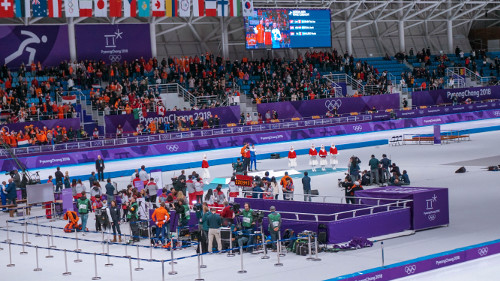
(114, 212)
(59, 179)
(99, 166)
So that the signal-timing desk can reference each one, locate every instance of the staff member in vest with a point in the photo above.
(333, 156)
(292, 158)
(313, 161)
(247, 224)
(133, 218)
(84, 208)
(99, 166)
(253, 157)
(274, 225)
(322, 158)
(161, 218)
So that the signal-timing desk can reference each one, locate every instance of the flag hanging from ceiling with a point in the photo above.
(6, 8)
(211, 8)
(248, 8)
(115, 8)
(55, 8)
(85, 8)
(130, 8)
(100, 8)
(185, 8)
(222, 8)
(171, 8)
(39, 8)
(198, 8)
(234, 8)
(143, 6)
(158, 8)
(22, 8)
(71, 8)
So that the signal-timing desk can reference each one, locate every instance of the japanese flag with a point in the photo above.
(101, 8)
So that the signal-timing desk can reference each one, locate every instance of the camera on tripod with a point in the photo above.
(258, 216)
(235, 207)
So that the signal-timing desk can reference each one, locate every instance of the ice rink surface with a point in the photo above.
(473, 207)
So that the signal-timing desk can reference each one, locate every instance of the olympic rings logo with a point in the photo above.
(446, 109)
(496, 113)
(332, 104)
(421, 111)
(115, 58)
(172, 147)
(410, 269)
(482, 251)
(357, 128)
(431, 217)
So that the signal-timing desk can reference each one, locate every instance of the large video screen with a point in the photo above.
(286, 28)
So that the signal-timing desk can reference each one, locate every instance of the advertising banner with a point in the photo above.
(113, 43)
(436, 97)
(308, 108)
(47, 44)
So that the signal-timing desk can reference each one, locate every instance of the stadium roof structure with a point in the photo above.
(364, 28)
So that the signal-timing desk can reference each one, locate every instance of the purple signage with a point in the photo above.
(67, 123)
(436, 97)
(437, 134)
(47, 44)
(113, 43)
(309, 108)
(227, 114)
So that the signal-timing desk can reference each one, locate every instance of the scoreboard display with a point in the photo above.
(286, 28)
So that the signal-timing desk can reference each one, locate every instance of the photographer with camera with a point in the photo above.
(346, 185)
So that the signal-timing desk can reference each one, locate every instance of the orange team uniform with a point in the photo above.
(260, 33)
(152, 127)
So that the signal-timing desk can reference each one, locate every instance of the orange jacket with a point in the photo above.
(160, 216)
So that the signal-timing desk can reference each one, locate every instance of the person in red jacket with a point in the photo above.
(204, 166)
(292, 158)
(322, 158)
(313, 160)
(333, 156)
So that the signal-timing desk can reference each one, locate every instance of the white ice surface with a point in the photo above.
(473, 207)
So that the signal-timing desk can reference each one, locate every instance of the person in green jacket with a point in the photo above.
(184, 216)
(133, 218)
(84, 207)
(374, 163)
(204, 227)
(247, 217)
(274, 225)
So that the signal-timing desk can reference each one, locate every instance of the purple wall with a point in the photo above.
(446, 96)
(320, 107)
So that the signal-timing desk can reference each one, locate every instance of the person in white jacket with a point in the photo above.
(206, 172)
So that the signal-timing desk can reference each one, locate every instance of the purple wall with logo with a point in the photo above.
(113, 43)
(446, 96)
(309, 108)
(203, 142)
(68, 123)
(49, 42)
(227, 114)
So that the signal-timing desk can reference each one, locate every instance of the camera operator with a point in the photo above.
(227, 214)
(346, 185)
(238, 167)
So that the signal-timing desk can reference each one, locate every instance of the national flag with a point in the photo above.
(234, 8)
(171, 8)
(68, 99)
(130, 8)
(158, 8)
(39, 8)
(198, 8)
(222, 8)
(23, 8)
(55, 8)
(248, 9)
(211, 8)
(6, 8)
(100, 8)
(115, 8)
(185, 8)
(85, 8)
(71, 8)
(143, 6)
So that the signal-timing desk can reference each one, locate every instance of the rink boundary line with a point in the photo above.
(425, 263)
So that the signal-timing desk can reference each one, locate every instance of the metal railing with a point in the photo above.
(336, 87)
(345, 78)
(473, 76)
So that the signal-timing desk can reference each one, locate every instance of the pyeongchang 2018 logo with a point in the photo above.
(332, 104)
(431, 212)
(411, 269)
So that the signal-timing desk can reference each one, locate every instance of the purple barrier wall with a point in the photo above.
(429, 208)
(113, 43)
(446, 109)
(49, 44)
(68, 123)
(129, 122)
(87, 156)
(446, 96)
(320, 107)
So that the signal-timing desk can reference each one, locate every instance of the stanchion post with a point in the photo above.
(150, 252)
(230, 253)
(242, 270)
(130, 267)
(138, 268)
(316, 249)
(199, 269)
(37, 227)
(162, 270)
(52, 238)
(76, 241)
(103, 242)
(95, 268)
(77, 260)
(309, 247)
(48, 256)
(27, 242)
(264, 245)
(66, 273)
(172, 262)
(23, 251)
(8, 239)
(10, 257)
(126, 251)
(108, 264)
(36, 255)
(279, 239)
(278, 253)
(202, 265)
(382, 248)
